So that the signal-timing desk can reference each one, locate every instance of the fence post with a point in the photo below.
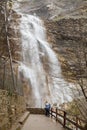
(56, 114)
(64, 123)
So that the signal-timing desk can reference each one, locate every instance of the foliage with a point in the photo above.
(72, 108)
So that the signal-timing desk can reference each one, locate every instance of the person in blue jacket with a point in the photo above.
(47, 108)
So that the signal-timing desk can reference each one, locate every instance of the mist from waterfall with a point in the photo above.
(40, 66)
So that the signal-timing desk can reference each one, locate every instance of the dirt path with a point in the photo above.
(41, 122)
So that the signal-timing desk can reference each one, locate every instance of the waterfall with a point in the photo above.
(40, 66)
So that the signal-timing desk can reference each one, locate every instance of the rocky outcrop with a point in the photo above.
(50, 9)
(12, 102)
(67, 37)
(9, 42)
(12, 106)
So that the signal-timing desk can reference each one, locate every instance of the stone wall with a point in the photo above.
(36, 110)
(12, 106)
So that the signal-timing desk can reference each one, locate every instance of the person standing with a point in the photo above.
(47, 108)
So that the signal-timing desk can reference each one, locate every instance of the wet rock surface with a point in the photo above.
(65, 36)
(50, 9)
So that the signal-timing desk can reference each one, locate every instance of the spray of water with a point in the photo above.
(40, 65)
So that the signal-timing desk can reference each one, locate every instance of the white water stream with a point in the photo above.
(40, 65)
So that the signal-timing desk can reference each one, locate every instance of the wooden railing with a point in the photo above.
(71, 122)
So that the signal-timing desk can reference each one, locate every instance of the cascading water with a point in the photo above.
(40, 66)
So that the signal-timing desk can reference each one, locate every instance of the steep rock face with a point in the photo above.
(11, 37)
(63, 33)
(11, 23)
(66, 36)
(14, 35)
(3, 46)
(66, 27)
(50, 9)
(11, 105)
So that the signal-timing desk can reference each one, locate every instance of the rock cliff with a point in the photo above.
(12, 104)
(65, 21)
(66, 24)
(67, 36)
(50, 9)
